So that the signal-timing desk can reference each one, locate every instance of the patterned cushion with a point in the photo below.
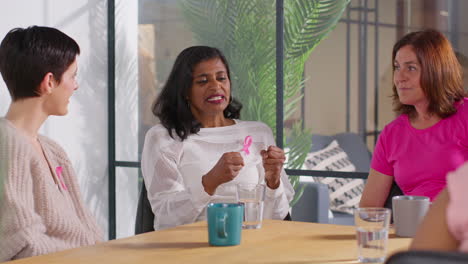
(344, 193)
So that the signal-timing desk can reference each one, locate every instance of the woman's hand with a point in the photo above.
(225, 170)
(273, 160)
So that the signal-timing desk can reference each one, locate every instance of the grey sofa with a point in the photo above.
(351, 143)
(314, 203)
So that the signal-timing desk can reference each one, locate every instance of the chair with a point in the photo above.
(394, 191)
(313, 205)
(428, 257)
(144, 221)
(351, 143)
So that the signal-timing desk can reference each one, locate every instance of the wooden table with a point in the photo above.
(276, 242)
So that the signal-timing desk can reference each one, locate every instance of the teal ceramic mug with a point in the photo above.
(225, 223)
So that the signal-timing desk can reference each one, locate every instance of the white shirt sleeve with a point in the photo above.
(277, 200)
(172, 203)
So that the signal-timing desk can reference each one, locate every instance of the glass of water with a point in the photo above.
(372, 233)
(252, 196)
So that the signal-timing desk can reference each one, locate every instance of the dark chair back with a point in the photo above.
(428, 257)
(145, 218)
(394, 191)
(313, 205)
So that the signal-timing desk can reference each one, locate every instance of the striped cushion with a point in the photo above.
(344, 193)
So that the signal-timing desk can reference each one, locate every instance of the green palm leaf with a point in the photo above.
(308, 22)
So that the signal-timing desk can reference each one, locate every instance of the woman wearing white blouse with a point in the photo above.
(193, 157)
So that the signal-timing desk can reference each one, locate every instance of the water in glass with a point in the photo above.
(372, 244)
(372, 233)
(253, 213)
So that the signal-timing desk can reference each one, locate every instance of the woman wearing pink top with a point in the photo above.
(429, 138)
(445, 226)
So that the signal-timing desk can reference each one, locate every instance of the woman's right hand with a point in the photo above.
(225, 170)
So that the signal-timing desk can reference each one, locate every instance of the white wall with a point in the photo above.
(83, 132)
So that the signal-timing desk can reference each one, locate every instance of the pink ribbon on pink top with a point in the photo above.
(247, 144)
(58, 170)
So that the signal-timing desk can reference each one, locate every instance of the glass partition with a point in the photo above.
(337, 68)
(348, 76)
(127, 190)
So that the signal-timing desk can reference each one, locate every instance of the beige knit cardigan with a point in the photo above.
(38, 216)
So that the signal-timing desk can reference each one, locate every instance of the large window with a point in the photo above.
(340, 85)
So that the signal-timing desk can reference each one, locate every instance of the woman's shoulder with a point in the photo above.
(15, 148)
(158, 132)
(464, 101)
(11, 138)
(158, 144)
(398, 123)
(54, 150)
(462, 106)
(51, 145)
(158, 137)
(6, 128)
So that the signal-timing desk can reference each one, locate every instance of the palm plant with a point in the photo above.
(245, 31)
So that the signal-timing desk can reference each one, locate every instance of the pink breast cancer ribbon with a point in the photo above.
(58, 170)
(247, 144)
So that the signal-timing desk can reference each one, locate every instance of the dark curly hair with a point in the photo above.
(171, 105)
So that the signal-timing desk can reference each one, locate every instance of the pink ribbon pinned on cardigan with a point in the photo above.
(58, 170)
(247, 144)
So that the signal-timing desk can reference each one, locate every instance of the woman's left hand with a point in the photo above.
(273, 160)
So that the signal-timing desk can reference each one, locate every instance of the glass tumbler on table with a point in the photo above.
(252, 196)
(372, 226)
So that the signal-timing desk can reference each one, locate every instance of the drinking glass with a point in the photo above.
(252, 196)
(372, 233)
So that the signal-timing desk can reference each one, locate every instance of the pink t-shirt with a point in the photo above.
(420, 159)
(457, 213)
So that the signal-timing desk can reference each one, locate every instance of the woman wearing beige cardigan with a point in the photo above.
(41, 210)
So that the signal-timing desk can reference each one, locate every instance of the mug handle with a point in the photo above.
(221, 219)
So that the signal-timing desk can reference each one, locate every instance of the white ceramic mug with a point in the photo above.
(408, 212)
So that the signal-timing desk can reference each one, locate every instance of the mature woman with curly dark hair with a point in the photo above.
(195, 155)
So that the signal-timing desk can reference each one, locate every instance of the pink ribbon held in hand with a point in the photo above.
(247, 144)
(58, 170)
